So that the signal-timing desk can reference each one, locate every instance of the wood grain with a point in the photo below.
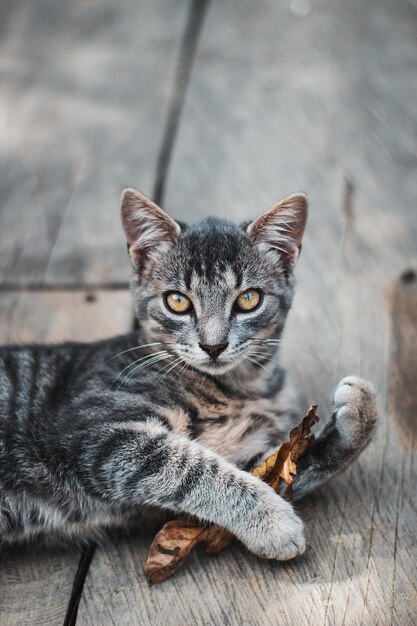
(279, 104)
(402, 390)
(36, 582)
(83, 99)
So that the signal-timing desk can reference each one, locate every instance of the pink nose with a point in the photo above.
(214, 351)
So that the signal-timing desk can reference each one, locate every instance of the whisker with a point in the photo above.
(144, 366)
(147, 356)
(154, 359)
(229, 373)
(259, 364)
(183, 369)
(263, 356)
(203, 380)
(269, 343)
(241, 365)
(145, 345)
(173, 365)
(168, 364)
(269, 349)
(278, 342)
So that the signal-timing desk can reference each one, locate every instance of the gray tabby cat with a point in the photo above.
(171, 416)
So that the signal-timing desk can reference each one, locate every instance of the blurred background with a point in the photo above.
(214, 107)
(223, 107)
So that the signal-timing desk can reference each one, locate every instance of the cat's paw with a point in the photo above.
(274, 530)
(355, 410)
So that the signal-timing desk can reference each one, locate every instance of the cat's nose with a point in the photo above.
(214, 351)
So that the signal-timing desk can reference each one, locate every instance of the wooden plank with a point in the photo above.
(46, 317)
(280, 103)
(402, 392)
(402, 406)
(36, 582)
(301, 104)
(84, 94)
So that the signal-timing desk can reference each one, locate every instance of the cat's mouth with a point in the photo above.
(217, 367)
(214, 366)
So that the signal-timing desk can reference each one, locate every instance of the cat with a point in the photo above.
(173, 415)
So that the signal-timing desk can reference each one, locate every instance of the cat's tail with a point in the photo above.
(355, 415)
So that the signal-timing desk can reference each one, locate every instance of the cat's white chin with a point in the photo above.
(215, 368)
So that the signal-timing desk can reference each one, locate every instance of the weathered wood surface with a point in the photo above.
(323, 104)
(35, 582)
(402, 387)
(278, 102)
(84, 93)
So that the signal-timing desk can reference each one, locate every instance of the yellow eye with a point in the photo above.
(248, 300)
(178, 303)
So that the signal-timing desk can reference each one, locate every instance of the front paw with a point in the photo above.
(274, 531)
(355, 410)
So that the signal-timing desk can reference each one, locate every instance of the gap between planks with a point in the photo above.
(186, 56)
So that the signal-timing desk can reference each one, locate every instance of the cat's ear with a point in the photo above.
(281, 228)
(147, 227)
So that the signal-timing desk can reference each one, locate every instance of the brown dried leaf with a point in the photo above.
(177, 538)
(171, 545)
(175, 541)
(282, 464)
(217, 539)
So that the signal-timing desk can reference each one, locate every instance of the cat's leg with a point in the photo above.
(343, 438)
(144, 463)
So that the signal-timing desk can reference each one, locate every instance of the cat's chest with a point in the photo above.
(239, 429)
(247, 431)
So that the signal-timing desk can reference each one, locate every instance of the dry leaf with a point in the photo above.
(177, 538)
(282, 464)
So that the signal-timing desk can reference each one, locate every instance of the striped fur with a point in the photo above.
(94, 435)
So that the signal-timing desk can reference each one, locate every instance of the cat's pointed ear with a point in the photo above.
(147, 227)
(281, 228)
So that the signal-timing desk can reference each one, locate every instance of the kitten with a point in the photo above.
(171, 416)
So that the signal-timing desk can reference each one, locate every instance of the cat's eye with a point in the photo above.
(177, 302)
(248, 300)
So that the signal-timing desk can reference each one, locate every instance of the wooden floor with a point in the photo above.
(223, 107)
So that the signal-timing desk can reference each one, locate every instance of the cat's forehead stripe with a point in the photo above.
(225, 278)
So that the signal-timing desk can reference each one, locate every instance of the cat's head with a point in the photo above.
(211, 291)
